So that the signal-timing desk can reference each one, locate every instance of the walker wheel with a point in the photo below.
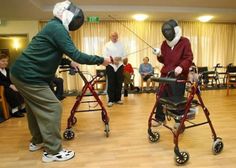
(74, 121)
(182, 159)
(217, 146)
(107, 130)
(154, 136)
(69, 134)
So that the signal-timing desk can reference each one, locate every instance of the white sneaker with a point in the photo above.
(35, 147)
(61, 156)
(119, 102)
(110, 104)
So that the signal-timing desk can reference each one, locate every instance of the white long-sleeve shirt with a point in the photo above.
(114, 50)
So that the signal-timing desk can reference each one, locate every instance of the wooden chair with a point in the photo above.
(231, 77)
(4, 104)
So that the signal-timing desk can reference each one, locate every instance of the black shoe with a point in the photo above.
(61, 97)
(125, 93)
(23, 110)
(132, 87)
(18, 114)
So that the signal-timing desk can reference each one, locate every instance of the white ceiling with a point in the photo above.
(187, 10)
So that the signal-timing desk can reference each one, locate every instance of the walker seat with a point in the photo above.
(175, 107)
(174, 101)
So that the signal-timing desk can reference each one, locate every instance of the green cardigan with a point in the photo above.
(39, 61)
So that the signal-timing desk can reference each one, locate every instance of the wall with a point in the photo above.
(20, 27)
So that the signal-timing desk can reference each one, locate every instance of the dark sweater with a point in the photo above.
(5, 80)
(40, 60)
(181, 55)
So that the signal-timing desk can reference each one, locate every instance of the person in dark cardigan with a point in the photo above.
(176, 56)
(13, 97)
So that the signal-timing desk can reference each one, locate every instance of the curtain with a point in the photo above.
(211, 43)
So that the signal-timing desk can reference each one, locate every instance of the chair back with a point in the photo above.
(101, 71)
(3, 103)
(231, 69)
(202, 69)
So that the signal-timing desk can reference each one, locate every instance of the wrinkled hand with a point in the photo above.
(107, 61)
(75, 65)
(13, 87)
(178, 70)
(157, 52)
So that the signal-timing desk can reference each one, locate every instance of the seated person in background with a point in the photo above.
(128, 72)
(58, 82)
(14, 99)
(146, 71)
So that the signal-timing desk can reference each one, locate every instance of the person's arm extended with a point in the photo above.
(65, 44)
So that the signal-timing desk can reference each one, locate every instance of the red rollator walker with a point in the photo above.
(181, 110)
(88, 86)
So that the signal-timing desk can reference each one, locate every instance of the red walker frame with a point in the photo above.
(182, 157)
(89, 85)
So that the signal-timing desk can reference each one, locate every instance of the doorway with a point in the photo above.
(13, 45)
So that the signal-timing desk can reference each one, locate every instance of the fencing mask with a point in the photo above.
(172, 32)
(71, 16)
(168, 30)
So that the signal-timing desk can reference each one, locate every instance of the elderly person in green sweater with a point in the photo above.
(33, 71)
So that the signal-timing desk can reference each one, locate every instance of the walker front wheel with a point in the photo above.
(69, 134)
(217, 146)
(182, 159)
(154, 136)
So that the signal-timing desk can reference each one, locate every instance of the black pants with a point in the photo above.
(14, 99)
(115, 81)
(58, 83)
(176, 90)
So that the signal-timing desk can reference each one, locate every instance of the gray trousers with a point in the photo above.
(43, 114)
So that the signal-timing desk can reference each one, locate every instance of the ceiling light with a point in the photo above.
(205, 18)
(140, 17)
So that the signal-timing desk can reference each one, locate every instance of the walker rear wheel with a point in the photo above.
(154, 136)
(182, 159)
(69, 134)
(217, 146)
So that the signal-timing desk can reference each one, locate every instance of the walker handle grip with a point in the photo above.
(164, 80)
